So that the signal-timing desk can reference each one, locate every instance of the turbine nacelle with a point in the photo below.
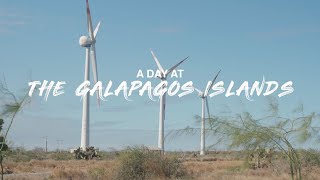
(162, 76)
(85, 41)
(201, 95)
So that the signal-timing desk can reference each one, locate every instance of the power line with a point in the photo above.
(59, 142)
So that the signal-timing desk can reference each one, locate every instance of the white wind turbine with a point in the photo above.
(163, 76)
(205, 105)
(89, 43)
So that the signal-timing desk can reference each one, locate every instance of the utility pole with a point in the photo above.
(46, 147)
(59, 142)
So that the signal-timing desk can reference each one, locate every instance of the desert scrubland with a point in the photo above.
(137, 163)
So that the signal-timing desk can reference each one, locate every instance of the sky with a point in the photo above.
(245, 39)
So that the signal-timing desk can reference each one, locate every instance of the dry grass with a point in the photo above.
(72, 169)
(202, 170)
(236, 170)
(68, 174)
(196, 168)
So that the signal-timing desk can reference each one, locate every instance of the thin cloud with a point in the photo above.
(103, 124)
(285, 32)
(167, 30)
(123, 108)
(8, 13)
(4, 30)
(48, 118)
(10, 20)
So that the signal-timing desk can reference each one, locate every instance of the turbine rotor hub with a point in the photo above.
(161, 77)
(86, 41)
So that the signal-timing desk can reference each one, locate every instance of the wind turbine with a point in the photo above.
(88, 42)
(163, 77)
(205, 105)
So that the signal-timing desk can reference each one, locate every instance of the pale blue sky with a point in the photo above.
(246, 39)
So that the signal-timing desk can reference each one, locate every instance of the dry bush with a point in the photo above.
(139, 163)
(97, 173)
(198, 168)
(43, 163)
(101, 170)
(310, 158)
(210, 159)
(23, 168)
(68, 174)
(60, 156)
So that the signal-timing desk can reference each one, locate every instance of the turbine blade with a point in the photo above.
(94, 69)
(157, 62)
(200, 92)
(96, 30)
(175, 66)
(212, 82)
(89, 21)
(207, 104)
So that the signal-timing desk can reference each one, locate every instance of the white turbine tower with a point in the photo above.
(89, 43)
(163, 76)
(205, 105)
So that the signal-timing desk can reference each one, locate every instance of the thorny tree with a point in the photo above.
(247, 132)
(11, 106)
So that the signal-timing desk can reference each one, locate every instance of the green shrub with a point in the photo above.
(60, 156)
(140, 163)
